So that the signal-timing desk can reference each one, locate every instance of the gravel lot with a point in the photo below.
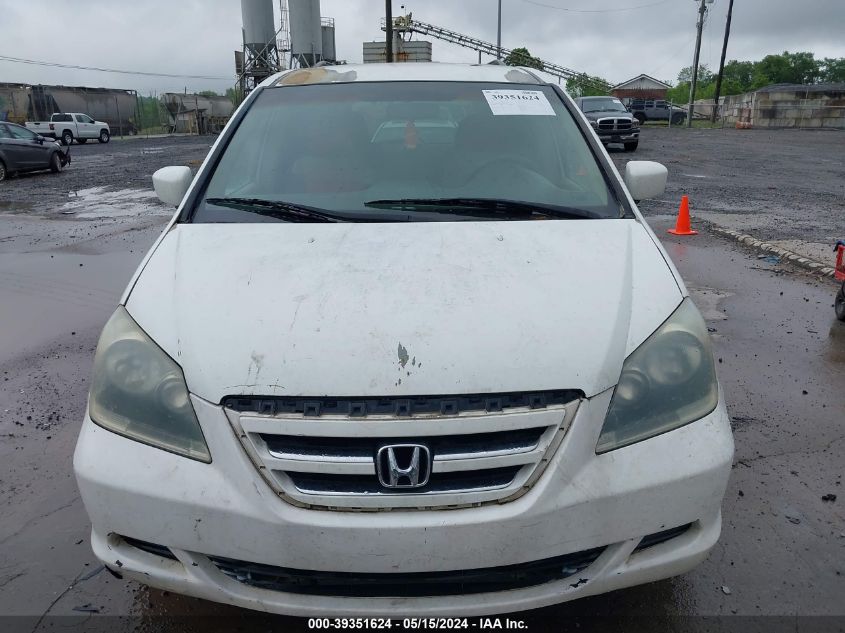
(784, 186)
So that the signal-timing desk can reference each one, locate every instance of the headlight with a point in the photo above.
(139, 392)
(635, 122)
(594, 123)
(667, 382)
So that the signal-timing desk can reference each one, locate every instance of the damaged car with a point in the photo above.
(404, 374)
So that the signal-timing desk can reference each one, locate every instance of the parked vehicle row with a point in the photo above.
(72, 126)
(22, 150)
(618, 121)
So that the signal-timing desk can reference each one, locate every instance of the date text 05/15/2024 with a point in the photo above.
(415, 624)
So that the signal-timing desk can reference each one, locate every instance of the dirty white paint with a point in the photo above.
(582, 501)
(331, 307)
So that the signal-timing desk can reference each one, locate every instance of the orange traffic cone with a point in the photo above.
(682, 226)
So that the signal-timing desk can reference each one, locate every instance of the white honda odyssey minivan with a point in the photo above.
(407, 348)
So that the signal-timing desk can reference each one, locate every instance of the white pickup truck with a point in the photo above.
(70, 126)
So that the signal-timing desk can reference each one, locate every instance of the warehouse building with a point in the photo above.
(641, 87)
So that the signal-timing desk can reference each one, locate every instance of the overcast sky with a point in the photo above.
(198, 37)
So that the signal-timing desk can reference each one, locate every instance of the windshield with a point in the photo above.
(603, 105)
(415, 151)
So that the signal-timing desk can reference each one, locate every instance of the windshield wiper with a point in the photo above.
(483, 207)
(287, 211)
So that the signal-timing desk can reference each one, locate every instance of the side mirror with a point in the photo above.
(39, 139)
(645, 179)
(172, 183)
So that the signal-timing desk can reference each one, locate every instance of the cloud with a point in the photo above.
(198, 37)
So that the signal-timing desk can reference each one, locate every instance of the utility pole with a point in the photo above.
(701, 11)
(388, 24)
(499, 36)
(722, 62)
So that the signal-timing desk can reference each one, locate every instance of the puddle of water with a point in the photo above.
(708, 301)
(101, 202)
(15, 206)
(50, 293)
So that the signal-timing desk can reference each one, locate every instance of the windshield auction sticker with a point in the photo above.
(518, 103)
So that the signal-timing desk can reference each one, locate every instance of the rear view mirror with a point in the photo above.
(172, 183)
(645, 179)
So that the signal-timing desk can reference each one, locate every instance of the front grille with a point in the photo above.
(489, 448)
(412, 585)
(462, 482)
(613, 124)
(417, 405)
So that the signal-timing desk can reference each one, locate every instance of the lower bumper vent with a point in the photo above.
(661, 537)
(414, 585)
(150, 548)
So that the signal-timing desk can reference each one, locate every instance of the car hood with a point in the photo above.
(430, 308)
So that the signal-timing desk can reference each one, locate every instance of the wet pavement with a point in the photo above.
(781, 362)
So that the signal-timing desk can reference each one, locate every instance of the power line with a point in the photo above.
(673, 58)
(619, 10)
(34, 62)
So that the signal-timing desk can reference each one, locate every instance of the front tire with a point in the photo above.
(631, 147)
(55, 163)
(639, 116)
(3, 172)
(839, 305)
(104, 136)
(678, 119)
(67, 138)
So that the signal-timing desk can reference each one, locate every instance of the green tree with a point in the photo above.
(585, 85)
(678, 93)
(150, 116)
(235, 95)
(832, 70)
(521, 57)
(208, 93)
(743, 76)
(705, 76)
(787, 68)
(738, 77)
(705, 87)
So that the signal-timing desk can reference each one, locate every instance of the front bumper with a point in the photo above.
(614, 136)
(583, 501)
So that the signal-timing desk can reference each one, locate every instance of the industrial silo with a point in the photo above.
(329, 50)
(260, 55)
(306, 36)
(259, 29)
